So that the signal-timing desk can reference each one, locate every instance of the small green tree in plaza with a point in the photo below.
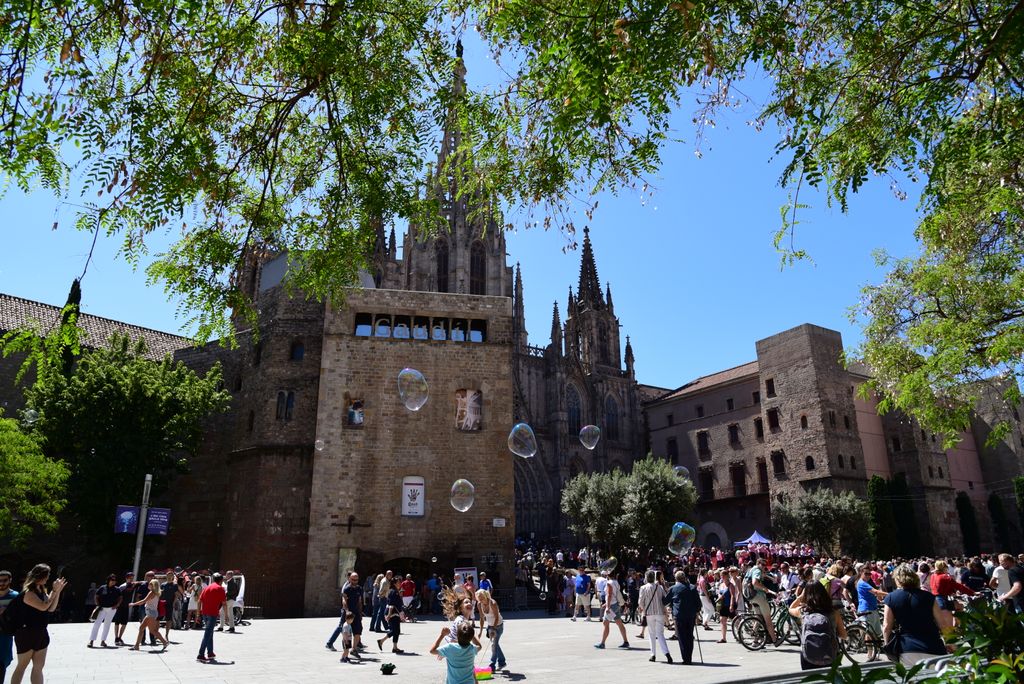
(906, 523)
(833, 522)
(636, 509)
(1000, 523)
(1018, 496)
(882, 517)
(968, 524)
(34, 486)
(117, 416)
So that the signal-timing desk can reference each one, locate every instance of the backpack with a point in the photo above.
(748, 586)
(817, 639)
(13, 616)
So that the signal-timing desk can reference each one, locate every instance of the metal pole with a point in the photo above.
(143, 513)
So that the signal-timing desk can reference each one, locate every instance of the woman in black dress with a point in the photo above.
(31, 638)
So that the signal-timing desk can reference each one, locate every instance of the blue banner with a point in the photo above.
(126, 519)
(158, 521)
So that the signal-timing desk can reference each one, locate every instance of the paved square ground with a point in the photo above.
(539, 649)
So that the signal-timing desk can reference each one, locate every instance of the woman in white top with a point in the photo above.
(490, 617)
(652, 603)
(152, 619)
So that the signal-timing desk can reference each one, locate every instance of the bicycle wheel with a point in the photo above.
(735, 626)
(782, 627)
(752, 633)
(855, 647)
(793, 634)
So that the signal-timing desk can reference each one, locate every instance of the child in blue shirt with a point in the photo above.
(459, 655)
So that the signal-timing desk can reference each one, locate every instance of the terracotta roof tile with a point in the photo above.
(16, 312)
(708, 381)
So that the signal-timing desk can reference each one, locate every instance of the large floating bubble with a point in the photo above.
(463, 493)
(608, 565)
(542, 595)
(30, 416)
(682, 472)
(522, 441)
(319, 445)
(412, 387)
(681, 540)
(590, 435)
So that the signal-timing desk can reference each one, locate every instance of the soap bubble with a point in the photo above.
(590, 435)
(608, 565)
(682, 472)
(522, 441)
(462, 495)
(542, 595)
(433, 559)
(31, 416)
(681, 540)
(412, 388)
(319, 445)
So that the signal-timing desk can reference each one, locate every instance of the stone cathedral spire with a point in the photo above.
(589, 293)
(519, 311)
(556, 330)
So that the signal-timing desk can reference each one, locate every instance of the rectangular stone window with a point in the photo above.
(707, 484)
(762, 475)
(421, 328)
(756, 397)
(700, 410)
(671, 419)
(469, 408)
(728, 404)
(734, 434)
(896, 444)
(478, 331)
(364, 325)
(402, 329)
(758, 428)
(672, 450)
(779, 464)
(773, 419)
(853, 463)
(831, 418)
(703, 444)
(382, 326)
(459, 330)
(738, 476)
(353, 412)
(846, 422)
(439, 329)
(769, 387)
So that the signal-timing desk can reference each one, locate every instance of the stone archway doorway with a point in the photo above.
(712, 540)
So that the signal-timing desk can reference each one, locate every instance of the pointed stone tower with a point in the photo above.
(591, 329)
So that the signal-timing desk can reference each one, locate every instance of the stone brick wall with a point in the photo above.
(358, 475)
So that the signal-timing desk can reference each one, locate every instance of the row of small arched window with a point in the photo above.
(420, 328)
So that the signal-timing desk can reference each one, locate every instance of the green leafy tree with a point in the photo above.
(34, 487)
(637, 509)
(1000, 522)
(594, 505)
(906, 522)
(1018, 496)
(116, 417)
(968, 524)
(882, 517)
(656, 500)
(833, 522)
(254, 126)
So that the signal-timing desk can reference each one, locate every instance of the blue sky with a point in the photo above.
(694, 276)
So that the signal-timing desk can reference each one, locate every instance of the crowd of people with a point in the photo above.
(174, 599)
(915, 599)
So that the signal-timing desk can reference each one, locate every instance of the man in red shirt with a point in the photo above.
(212, 598)
(407, 589)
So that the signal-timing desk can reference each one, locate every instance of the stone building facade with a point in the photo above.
(792, 421)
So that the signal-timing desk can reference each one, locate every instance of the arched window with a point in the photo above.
(298, 350)
(803, 422)
(252, 420)
(441, 254)
(257, 354)
(289, 407)
(809, 463)
(602, 344)
(841, 462)
(572, 404)
(477, 269)
(378, 278)
(611, 418)
(281, 401)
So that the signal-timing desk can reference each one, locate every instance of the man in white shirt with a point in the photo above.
(583, 556)
(559, 558)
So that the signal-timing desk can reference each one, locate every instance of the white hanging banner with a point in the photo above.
(413, 497)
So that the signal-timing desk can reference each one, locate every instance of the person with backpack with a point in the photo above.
(7, 595)
(817, 632)
(836, 588)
